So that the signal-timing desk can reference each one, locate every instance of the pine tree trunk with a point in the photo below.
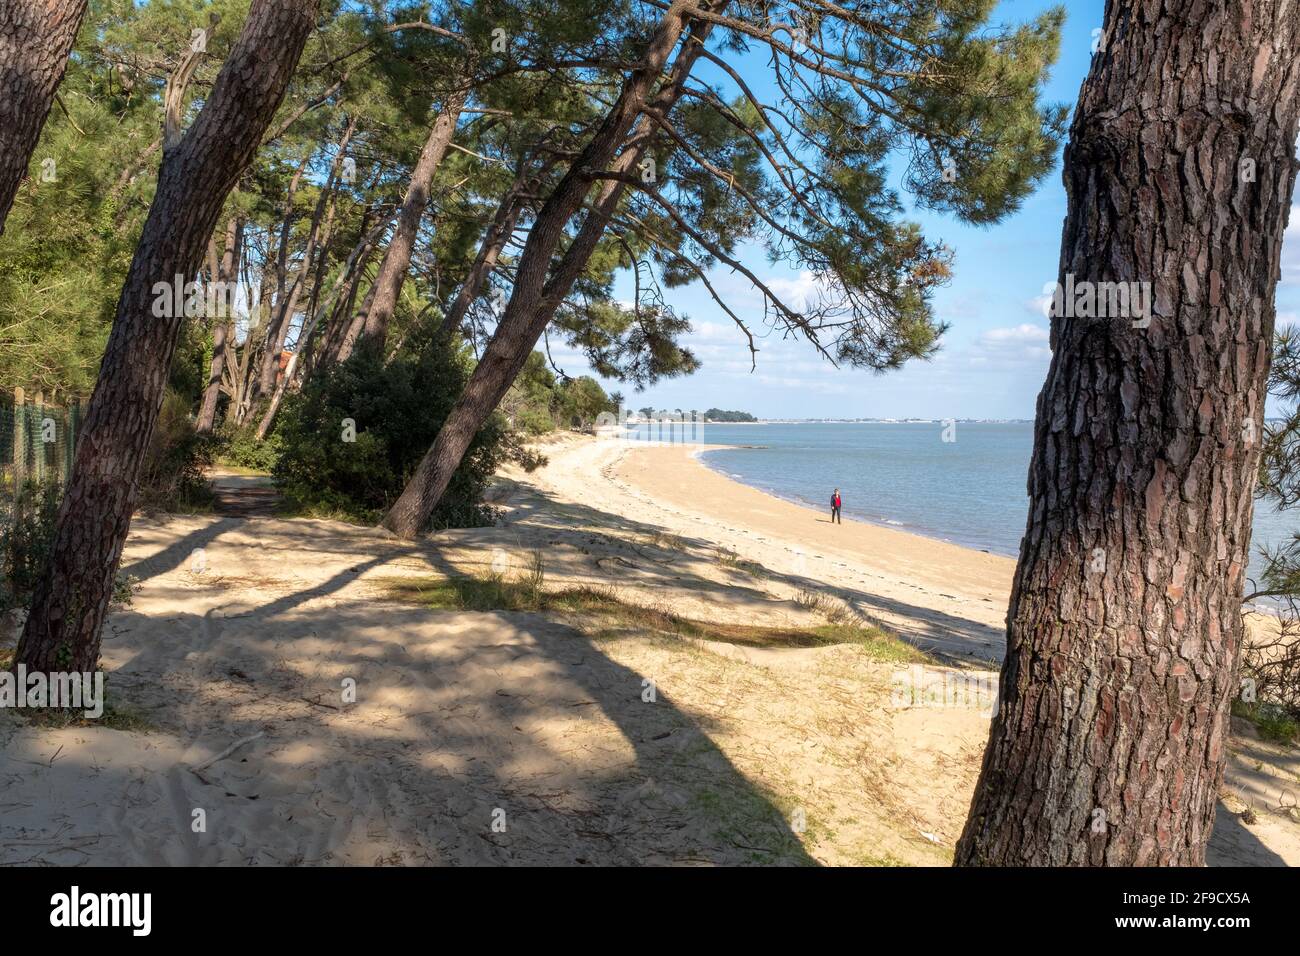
(36, 37)
(346, 275)
(255, 341)
(71, 598)
(535, 296)
(1125, 623)
(277, 329)
(372, 326)
(341, 315)
(212, 391)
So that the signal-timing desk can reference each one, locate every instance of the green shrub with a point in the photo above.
(239, 447)
(534, 421)
(26, 539)
(1272, 720)
(172, 476)
(538, 402)
(396, 411)
(580, 401)
(25, 542)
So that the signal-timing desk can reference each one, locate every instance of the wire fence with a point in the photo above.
(37, 442)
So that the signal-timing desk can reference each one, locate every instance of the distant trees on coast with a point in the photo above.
(721, 415)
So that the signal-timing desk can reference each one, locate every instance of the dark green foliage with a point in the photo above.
(721, 415)
(25, 542)
(189, 370)
(540, 401)
(172, 477)
(580, 401)
(631, 345)
(528, 404)
(1271, 720)
(69, 239)
(239, 447)
(999, 146)
(396, 410)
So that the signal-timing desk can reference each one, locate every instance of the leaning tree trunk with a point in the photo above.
(1125, 624)
(72, 595)
(277, 327)
(535, 296)
(325, 355)
(36, 37)
(346, 275)
(371, 328)
(221, 341)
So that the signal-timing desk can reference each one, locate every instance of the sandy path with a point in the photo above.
(463, 722)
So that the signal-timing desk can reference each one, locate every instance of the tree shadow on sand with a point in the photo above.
(479, 738)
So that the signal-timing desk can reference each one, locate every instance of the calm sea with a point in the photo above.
(970, 491)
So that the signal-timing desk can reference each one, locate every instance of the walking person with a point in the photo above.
(835, 508)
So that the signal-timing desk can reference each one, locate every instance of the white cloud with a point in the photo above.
(1016, 345)
(714, 331)
(796, 293)
(1040, 305)
(1016, 333)
(807, 291)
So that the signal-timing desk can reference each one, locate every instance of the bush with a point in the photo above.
(172, 476)
(1273, 721)
(538, 403)
(580, 401)
(26, 541)
(239, 447)
(395, 412)
(534, 421)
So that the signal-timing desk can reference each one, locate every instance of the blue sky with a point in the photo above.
(995, 355)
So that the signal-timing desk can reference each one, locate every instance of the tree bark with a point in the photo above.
(36, 37)
(277, 329)
(68, 606)
(1125, 619)
(535, 298)
(221, 326)
(260, 318)
(342, 313)
(371, 327)
(346, 274)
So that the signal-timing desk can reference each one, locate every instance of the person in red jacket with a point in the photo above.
(835, 507)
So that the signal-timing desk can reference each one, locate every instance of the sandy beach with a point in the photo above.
(947, 599)
(500, 736)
